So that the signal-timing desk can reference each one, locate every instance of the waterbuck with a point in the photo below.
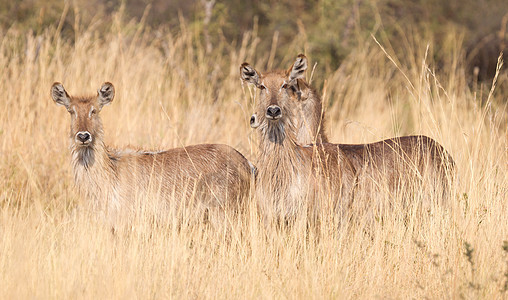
(290, 118)
(290, 176)
(205, 178)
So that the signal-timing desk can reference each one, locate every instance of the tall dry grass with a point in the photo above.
(170, 92)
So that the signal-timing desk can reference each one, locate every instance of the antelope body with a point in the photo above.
(204, 177)
(290, 174)
(290, 120)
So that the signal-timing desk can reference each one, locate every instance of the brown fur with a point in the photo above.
(309, 114)
(213, 177)
(399, 163)
(362, 168)
(290, 177)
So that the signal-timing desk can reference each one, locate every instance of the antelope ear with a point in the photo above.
(254, 121)
(298, 69)
(249, 74)
(59, 95)
(105, 94)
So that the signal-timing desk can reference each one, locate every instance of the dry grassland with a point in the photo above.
(170, 93)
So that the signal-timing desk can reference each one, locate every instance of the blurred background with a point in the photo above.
(327, 30)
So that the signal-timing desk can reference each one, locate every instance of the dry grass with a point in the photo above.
(171, 93)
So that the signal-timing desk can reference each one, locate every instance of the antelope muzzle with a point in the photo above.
(273, 112)
(83, 138)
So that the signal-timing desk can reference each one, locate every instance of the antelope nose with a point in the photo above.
(273, 112)
(84, 137)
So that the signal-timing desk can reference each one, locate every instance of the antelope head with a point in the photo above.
(86, 125)
(280, 91)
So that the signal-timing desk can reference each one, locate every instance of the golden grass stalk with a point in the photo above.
(171, 93)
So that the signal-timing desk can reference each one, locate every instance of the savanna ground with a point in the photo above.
(172, 92)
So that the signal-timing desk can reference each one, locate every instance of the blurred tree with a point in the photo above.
(327, 29)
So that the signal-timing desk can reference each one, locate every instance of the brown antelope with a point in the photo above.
(290, 119)
(290, 174)
(216, 176)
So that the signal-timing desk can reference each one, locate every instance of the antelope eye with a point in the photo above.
(284, 86)
(262, 87)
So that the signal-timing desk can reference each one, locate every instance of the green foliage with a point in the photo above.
(326, 30)
(469, 250)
